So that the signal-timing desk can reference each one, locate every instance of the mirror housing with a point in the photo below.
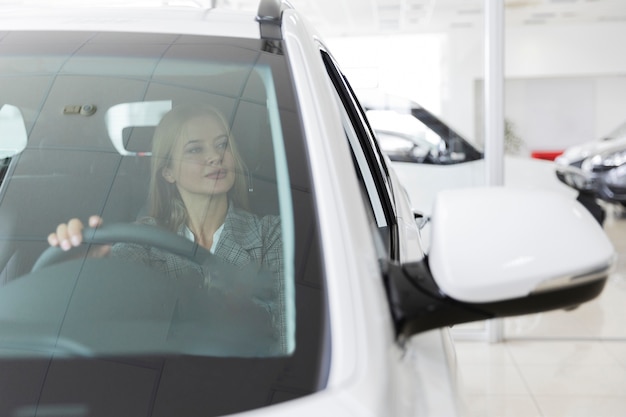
(498, 252)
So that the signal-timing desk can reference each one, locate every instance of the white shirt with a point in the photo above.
(216, 236)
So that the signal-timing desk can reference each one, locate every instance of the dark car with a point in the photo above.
(597, 169)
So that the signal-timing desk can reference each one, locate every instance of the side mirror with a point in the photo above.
(498, 252)
(421, 219)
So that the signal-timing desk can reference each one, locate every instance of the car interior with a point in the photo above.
(71, 167)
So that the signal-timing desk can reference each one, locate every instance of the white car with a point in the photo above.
(315, 298)
(429, 156)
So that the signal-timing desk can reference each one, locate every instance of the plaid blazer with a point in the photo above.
(249, 244)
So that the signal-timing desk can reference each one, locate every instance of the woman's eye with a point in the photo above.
(222, 144)
(194, 150)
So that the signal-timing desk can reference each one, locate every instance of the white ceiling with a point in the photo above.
(380, 17)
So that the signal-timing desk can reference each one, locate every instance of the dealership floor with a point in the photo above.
(555, 364)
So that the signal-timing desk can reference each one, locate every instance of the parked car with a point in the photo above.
(430, 156)
(314, 298)
(597, 169)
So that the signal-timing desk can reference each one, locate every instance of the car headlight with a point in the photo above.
(617, 177)
(604, 162)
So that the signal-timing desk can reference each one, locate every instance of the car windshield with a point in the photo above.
(141, 319)
(405, 125)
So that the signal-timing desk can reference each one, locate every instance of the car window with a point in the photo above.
(402, 148)
(430, 140)
(372, 170)
(406, 125)
(96, 126)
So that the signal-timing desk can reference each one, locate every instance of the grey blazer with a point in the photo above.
(250, 244)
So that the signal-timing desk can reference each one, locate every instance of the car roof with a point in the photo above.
(193, 18)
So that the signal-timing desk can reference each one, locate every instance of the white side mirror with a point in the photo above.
(494, 243)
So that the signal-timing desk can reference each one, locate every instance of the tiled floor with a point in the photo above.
(555, 364)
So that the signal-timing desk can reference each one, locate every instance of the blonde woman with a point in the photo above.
(198, 189)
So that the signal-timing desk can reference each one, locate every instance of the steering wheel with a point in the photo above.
(131, 233)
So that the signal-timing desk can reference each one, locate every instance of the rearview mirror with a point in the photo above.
(497, 252)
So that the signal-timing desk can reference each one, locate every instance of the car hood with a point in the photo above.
(424, 181)
(524, 172)
(429, 380)
(331, 403)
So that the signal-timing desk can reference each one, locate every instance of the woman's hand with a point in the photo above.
(70, 234)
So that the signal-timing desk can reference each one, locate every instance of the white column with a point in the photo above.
(494, 91)
(494, 113)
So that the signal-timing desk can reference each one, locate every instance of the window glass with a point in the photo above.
(190, 150)
(403, 137)
(371, 169)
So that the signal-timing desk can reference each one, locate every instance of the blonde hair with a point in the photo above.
(166, 205)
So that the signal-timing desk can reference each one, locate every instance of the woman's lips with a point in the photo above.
(217, 175)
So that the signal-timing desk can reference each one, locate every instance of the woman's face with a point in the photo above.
(202, 162)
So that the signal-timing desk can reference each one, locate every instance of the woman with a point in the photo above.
(198, 189)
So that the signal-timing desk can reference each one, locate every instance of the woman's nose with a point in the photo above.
(214, 158)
